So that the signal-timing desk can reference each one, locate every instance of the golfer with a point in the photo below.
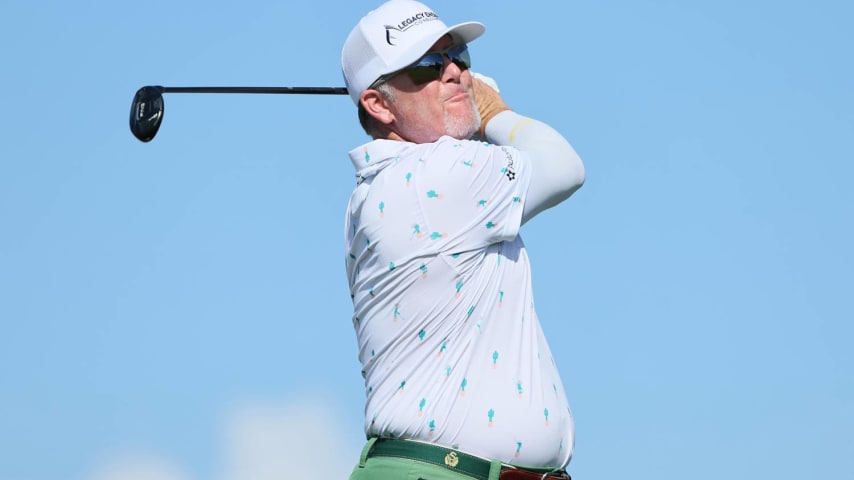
(459, 379)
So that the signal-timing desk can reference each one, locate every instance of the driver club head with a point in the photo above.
(146, 112)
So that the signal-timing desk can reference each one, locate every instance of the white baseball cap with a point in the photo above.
(392, 37)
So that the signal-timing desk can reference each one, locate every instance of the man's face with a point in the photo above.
(423, 113)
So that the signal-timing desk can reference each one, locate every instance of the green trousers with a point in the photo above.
(391, 468)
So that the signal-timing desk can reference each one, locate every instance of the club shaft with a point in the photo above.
(292, 90)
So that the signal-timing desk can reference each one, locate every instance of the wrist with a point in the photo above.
(488, 114)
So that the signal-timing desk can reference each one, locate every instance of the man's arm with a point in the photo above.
(557, 171)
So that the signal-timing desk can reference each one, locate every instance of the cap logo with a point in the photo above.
(408, 23)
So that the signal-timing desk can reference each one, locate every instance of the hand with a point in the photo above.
(489, 102)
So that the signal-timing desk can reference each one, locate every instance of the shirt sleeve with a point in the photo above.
(472, 193)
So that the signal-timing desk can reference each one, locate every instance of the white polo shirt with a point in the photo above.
(451, 348)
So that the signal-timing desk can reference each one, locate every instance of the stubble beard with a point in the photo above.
(463, 127)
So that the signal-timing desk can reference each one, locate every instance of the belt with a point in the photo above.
(457, 461)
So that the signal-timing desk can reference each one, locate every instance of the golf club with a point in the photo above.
(146, 111)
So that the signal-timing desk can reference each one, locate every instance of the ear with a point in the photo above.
(376, 106)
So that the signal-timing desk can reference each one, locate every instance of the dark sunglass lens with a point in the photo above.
(427, 69)
(424, 73)
(430, 67)
(460, 56)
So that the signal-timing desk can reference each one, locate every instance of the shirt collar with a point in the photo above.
(374, 156)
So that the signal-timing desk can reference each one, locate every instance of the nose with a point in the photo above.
(450, 70)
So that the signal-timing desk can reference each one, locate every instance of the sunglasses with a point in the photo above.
(429, 67)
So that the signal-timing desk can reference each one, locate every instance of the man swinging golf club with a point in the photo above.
(460, 380)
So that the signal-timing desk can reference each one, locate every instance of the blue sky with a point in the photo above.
(178, 310)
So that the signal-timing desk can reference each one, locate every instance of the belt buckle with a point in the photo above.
(556, 475)
(561, 475)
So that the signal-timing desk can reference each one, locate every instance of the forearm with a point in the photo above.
(557, 171)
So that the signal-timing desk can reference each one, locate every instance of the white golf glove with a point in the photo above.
(487, 80)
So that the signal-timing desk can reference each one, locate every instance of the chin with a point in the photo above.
(462, 127)
(464, 124)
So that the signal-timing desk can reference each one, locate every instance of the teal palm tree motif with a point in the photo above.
(459, 287)
(382, 209)
(491, 415)
(416, 230)
(519, 388)
(391, 266)
(367, 156)
(546, 413)
(494, 359)
(423, 269)
(490, 225)
(432, 426)
(468, 163)
(500, 298)
(433, 194)
(443, 347)
(396, 312)
(483, 203)
(463, 387)
(518, 448)
(408, 177)
(421, 405)
(421, 335)
(402, 385)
